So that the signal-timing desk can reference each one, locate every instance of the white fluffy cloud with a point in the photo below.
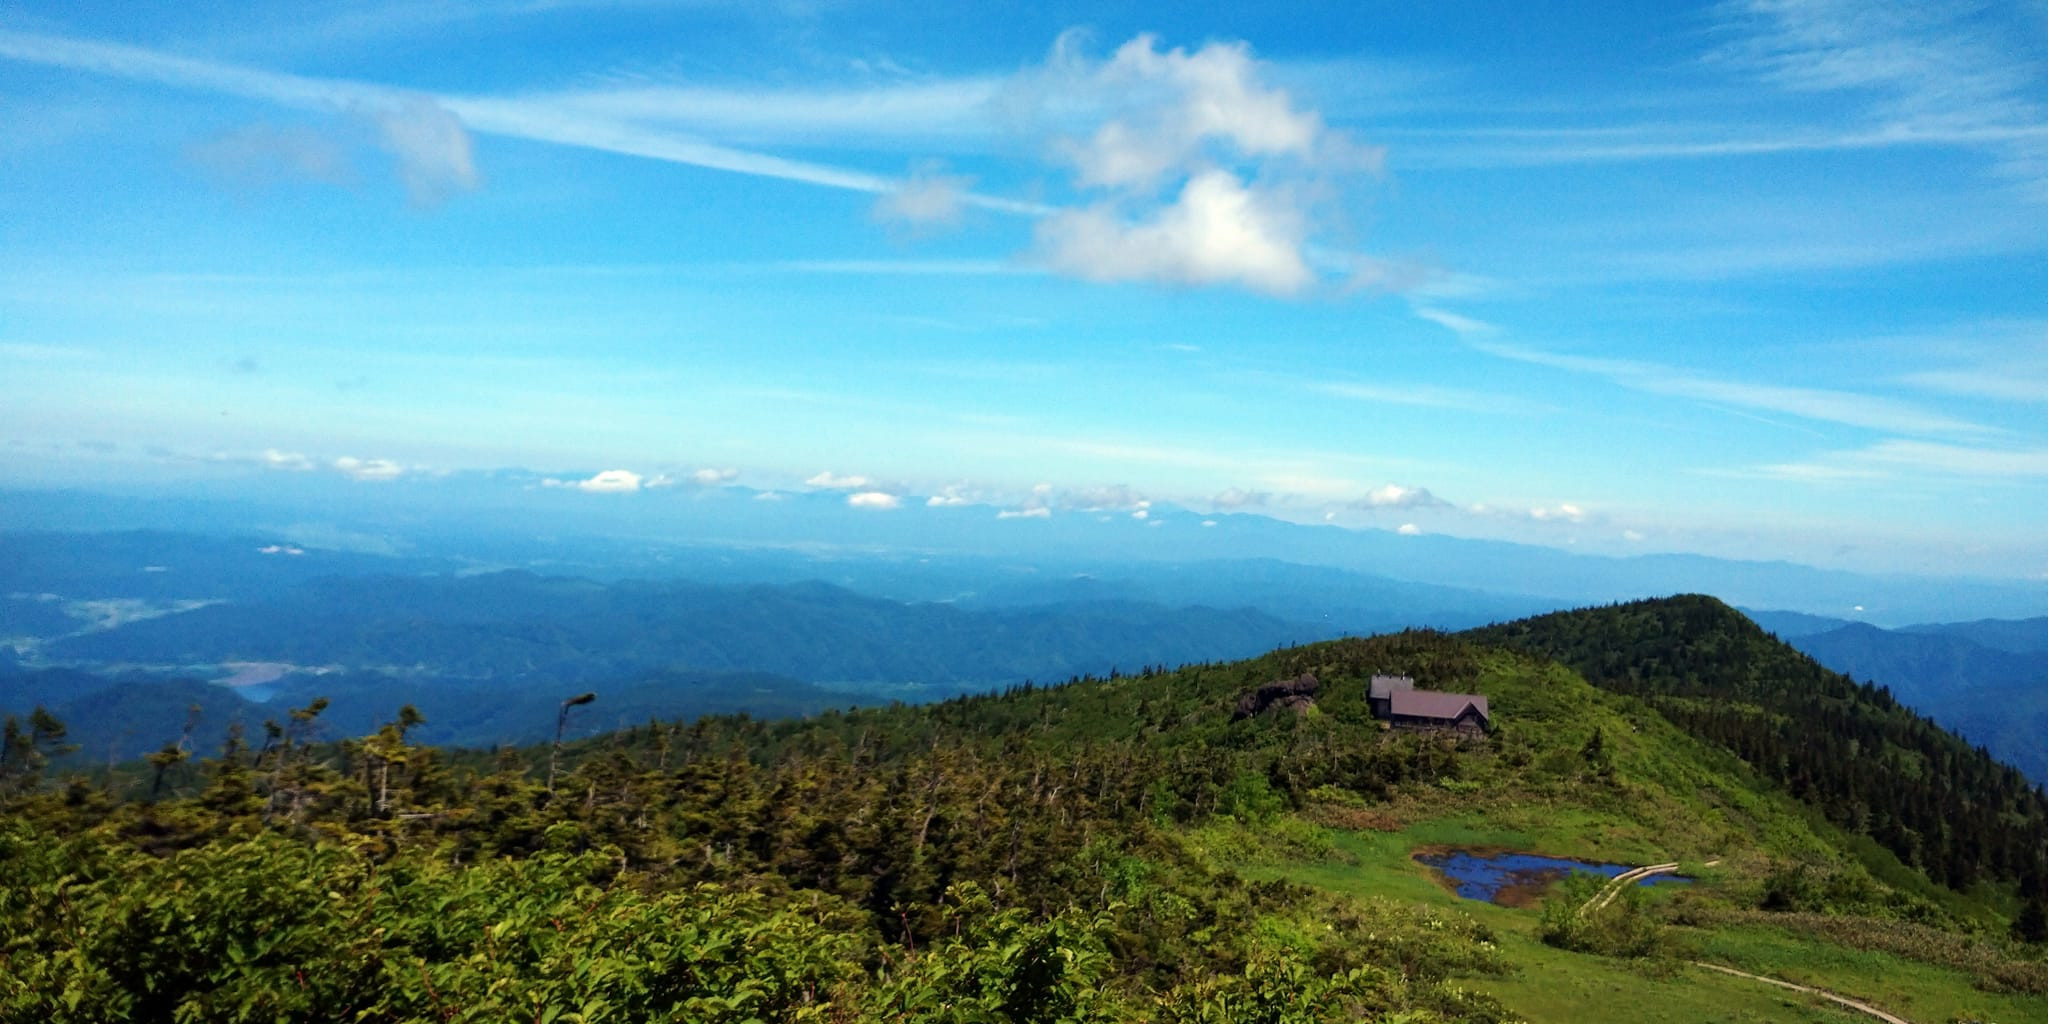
(828, 481)
(293, 461)
(707, 477)
(368, 469)
(1409, 530)
(873, 500)
(1191, 168)
(1397, 496)
(1037, 506)
(610, 481)
(1170, 108)
(1217, 231)
(1565, 512)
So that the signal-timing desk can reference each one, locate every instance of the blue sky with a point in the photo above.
(1759, 280)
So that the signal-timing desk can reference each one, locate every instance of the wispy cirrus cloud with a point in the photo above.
(2017, 383)
(1427, 396)
(905, 268)
(375, 470)
(428, 143)
(1912, 75)
(1871, 412)
(1646, 143)
(1965, 74)
(1457, 323)
(1902, 459)
(2010, 365)
(417, 126)
(1186, 167)
(1898, 457)
(1962, 460)
(954, 112)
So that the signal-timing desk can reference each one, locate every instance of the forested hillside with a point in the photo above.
(1871, 765)
(1110, 849)
(1984, 680)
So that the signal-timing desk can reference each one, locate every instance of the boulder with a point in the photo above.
(1297, 694)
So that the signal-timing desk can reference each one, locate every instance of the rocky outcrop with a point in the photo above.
(1297, 694)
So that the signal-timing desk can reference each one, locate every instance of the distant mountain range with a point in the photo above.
(518, 627)
(1987, 680)
(947, 551)
(122, 633)
(117, 717)
(128, 629)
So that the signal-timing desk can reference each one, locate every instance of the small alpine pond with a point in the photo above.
(1513, 879)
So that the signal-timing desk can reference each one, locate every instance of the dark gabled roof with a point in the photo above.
(1384, 685)
(1447, 707)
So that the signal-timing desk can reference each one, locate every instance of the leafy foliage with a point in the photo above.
(997, 859)
(1579, 916)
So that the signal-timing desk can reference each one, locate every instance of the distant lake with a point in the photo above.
(1513, 879)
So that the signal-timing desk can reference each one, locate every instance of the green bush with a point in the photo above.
(1622, 927)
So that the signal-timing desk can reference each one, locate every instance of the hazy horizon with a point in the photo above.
(1753, 281)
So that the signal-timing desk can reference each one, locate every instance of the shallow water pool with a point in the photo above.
(1516, 879)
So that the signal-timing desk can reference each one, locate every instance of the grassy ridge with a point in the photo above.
(1123, 848)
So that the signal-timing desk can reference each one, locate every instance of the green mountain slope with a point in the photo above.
(1871, 765)
(1132, 848)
